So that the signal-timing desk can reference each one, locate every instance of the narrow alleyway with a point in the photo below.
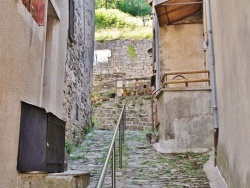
(142, 165)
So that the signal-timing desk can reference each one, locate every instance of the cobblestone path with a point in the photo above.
(142, 165)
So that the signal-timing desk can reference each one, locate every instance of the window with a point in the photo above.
(71, 20)
(36, 8)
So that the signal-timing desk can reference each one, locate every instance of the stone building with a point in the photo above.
(229, 48)
(184, 119)
(78, 70)
(35, 57)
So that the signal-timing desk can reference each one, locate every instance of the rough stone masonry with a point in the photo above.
(78, 71)
(129, 57)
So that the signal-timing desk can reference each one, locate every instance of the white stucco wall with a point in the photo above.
(22, 44)
(231, 31)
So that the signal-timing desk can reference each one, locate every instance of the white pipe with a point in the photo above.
(157, 62)
(211, 63)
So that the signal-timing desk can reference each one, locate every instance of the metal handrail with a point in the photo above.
(121, 126)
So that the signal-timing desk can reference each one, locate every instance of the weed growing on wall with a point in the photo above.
(68, 147)
(131, 51)
(95, 122)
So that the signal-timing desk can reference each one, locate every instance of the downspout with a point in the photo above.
(212, 78)
(157, 63)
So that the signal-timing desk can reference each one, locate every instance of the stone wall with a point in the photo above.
(186, 119)
(78, 72)
(138, 114)
(129, 57)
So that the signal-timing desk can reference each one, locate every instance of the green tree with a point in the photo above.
(108, 4)
(132, 7)
(112, 18)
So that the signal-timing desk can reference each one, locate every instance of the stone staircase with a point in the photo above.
(142, 165)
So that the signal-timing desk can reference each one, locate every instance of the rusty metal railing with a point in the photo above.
(165, 81)
(120, 127)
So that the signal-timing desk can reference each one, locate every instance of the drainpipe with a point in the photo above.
(212, 78)
(157, 63)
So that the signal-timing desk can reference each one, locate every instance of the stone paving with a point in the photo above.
(142, 165)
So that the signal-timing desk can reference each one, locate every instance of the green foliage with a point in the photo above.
(95, 94)
(102, 35)
(77, 156)
(118, 105)
(112, 18)
(95, 123)
(131, 51)
(111, 91)
(86, 129)
(135, 7)
(132, 7)
(69, 147)
(103, 3)
(114, 24)
(103, 158)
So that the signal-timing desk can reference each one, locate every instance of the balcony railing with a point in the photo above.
(182, 79)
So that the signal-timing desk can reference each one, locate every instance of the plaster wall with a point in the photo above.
(22, 44)
(55, 57)
(181, 50)
(231, 31)
(185, 118)
(21, 58)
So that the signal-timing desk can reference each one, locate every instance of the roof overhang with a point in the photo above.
(173, 12)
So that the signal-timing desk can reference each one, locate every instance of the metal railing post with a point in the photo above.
(111, 153)
(152, 113)
(123, 124)
(113, 167)
(125, 116)
(120, 145)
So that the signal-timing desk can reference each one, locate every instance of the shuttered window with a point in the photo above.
(71, 19)
(37, 9)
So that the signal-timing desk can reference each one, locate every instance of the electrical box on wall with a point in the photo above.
(41, 141)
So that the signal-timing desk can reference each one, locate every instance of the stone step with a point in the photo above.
(67, 179)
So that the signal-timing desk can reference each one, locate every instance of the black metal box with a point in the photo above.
(41, 141)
